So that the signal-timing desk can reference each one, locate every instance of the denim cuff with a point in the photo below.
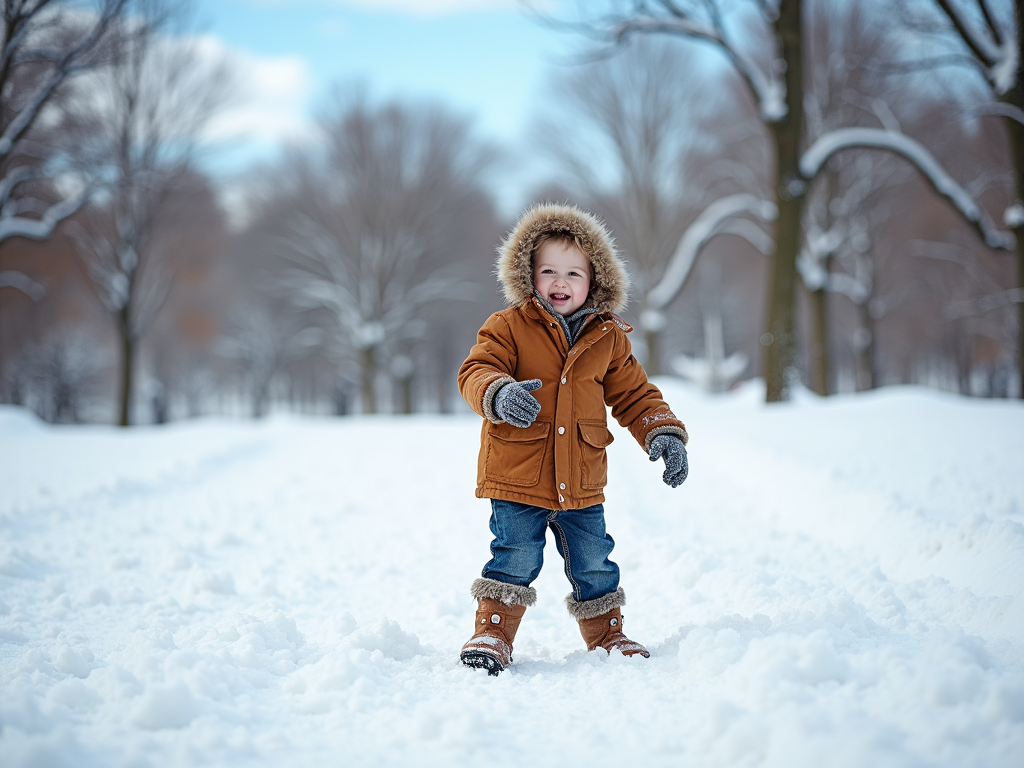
(509, 594)
(589, 609)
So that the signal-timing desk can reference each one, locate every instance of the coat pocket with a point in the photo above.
(514, 455)
(594, 438)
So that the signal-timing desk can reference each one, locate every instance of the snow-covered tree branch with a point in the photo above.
(11, 278)
(712, 221)
(44, 46)
(638, 111)
(41, 228)
(905, 146)
(703, 21)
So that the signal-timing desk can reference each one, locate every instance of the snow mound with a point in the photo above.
(16, 420)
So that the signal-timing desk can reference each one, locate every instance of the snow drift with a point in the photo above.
(838, 583)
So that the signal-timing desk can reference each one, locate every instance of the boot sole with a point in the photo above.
(479, 660)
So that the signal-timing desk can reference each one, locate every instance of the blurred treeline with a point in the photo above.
(353, 274)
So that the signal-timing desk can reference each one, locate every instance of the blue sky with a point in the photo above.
(484, 58)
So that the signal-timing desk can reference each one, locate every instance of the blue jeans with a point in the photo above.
(517, 552)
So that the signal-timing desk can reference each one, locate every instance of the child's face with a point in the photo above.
(561, 274)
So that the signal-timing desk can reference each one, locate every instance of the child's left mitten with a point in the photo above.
(676, 466)
(514, 403)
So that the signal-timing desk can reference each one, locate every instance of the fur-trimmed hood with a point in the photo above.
(610, 285)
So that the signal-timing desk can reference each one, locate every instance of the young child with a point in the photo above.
(540, 374)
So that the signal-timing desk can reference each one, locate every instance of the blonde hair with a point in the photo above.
(567, 238)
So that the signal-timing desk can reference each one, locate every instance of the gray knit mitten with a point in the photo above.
(516, 405)
(676, 466)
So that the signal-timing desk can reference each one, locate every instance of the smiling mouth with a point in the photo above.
(559, 297)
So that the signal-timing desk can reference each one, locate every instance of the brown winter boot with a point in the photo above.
(600, 623)
(500, 608)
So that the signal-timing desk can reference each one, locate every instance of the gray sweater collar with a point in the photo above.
(571, 325)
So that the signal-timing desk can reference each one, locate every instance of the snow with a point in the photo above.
(772, 100)
(838, 583)
(1013, 216)
(1003, 73)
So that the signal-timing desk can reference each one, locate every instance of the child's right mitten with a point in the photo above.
(514, 403)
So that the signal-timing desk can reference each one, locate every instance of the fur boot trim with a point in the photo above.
(589, 609)
(509, 594)
(610, 284)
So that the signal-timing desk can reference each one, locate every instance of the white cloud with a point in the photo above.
(270, 104)
(269, 108)
(423, 7)
(431, 7)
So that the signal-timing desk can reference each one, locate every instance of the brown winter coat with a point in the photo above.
(559, 461)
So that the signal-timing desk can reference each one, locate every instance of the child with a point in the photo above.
(541, 374)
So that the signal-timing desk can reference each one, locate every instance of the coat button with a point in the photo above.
(561, 486)
(560, 499)
(563, 379)
(561, 430)
(615, 622)
(495, 618)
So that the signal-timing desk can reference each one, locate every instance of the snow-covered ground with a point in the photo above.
(839, 583)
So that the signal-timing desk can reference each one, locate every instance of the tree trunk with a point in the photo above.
(127, 364)
(653, 363)
(443, 398)
(405, 395)
(1015, 132)
(259, 399)
(369, 380)
(819, 357)
(341, 394)
(445, 375)
(867, 361)
(820, 352)
(778, 340)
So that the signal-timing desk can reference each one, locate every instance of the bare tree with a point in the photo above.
(260, 344)
(769, 58)
(153, 101)
(641, 112)
(986, 39)
(374, 229)
(45, 45)
(855, 194)
(974, 306)
(59, 376)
